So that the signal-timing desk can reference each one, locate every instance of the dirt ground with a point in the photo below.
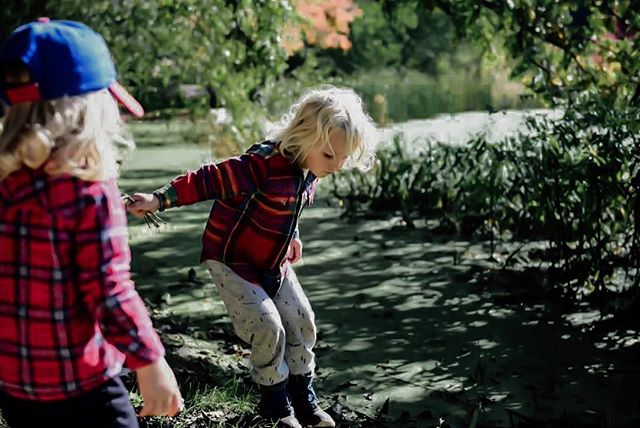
(415, 329)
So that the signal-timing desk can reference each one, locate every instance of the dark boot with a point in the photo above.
(305, 402)
(275, 406)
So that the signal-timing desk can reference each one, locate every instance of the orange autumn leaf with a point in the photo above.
(325, 24)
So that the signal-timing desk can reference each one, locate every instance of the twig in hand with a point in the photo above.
(152, 219)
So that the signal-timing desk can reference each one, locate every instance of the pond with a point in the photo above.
(457, 129)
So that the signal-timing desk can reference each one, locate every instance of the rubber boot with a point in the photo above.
(275, 406)
(305, 402)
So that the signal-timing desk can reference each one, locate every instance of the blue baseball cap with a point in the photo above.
(64, 58)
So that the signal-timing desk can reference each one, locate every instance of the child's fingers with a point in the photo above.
(176, 405)
(170, 406)
(148, 409)
(137, 211)
(295, 252)
(137, 205)
(142, 205)
(167, 407)
(140, 197)
(180, 401)
(134, 207)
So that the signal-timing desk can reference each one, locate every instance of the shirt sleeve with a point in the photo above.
(231, 177)
(103, 262)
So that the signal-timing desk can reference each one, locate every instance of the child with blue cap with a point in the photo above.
(70, 316)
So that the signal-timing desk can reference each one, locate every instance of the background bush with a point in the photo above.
(572, 183)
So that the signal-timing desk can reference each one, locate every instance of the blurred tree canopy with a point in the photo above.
(404, 35)
(229, 49)
(168, 50)
(561, 47)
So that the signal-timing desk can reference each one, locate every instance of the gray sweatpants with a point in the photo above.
(281, 331)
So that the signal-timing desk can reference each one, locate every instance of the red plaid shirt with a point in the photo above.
(69, 314)
(259, 197)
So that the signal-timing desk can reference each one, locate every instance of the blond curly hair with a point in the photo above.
(316, 116)
(76, 135)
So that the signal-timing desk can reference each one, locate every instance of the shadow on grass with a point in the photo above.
(408, 334)
(405, 319)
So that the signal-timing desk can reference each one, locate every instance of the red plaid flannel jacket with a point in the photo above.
(258, 199)
(69, 314)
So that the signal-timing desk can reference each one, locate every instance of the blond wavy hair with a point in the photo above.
(76, 135)
(316, 116)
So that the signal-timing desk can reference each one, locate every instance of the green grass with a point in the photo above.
(189, 133)
(229, 406)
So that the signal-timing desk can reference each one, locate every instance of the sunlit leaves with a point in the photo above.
(324, 23)
(573, 182)
(228, 49)
(569, 46)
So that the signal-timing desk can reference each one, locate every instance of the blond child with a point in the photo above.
(69, 312)
(251, 239)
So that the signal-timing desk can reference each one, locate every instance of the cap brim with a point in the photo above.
(126, 99)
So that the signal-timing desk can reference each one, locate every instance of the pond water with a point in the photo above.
(457, 129)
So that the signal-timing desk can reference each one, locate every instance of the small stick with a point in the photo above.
(151, 219)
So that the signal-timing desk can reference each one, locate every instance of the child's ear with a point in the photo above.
(16, 73)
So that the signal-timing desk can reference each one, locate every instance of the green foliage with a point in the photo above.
(377, 41)
(562, 47)
(400, 36)
(227, 406)
(410, 57)
(574, 183)
(226, 50)
(409, 94)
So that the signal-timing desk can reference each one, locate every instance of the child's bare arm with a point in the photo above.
(159, 390)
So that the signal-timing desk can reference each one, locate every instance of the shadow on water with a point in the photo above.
(406, 329)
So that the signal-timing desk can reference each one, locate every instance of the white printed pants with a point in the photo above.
(281, 331)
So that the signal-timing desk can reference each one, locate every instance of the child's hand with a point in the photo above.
(159, 390)
(142, 204)
(295, 251)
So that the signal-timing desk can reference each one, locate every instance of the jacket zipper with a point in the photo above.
(292, 228)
